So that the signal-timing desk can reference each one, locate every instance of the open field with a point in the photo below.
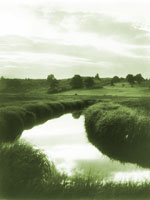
(117, 90)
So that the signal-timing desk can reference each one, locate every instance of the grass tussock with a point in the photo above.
(11, 124)
(26, 172)
(119, 132)
(13, 119)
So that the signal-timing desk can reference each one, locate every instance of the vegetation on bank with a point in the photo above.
(52, 85)
(13, 119)
(121, 133)
(26, 173)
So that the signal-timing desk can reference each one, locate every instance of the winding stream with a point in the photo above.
(64, 141)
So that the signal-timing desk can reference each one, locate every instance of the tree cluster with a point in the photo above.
(134, 79)
(78, 82)
(53, 83)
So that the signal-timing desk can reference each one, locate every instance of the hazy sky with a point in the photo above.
(67, 37)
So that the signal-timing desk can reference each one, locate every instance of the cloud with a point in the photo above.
(65, 60)
(66, 41)
(96, 23)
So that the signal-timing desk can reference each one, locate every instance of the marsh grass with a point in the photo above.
(11, 125)
(119, 132)
(26, 173)
(140, 104)
(13, 119)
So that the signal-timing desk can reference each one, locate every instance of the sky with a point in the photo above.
(68, 37)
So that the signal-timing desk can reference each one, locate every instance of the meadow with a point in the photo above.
(123, 89)
(117, 123)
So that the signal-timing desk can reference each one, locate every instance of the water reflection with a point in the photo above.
(64, 141)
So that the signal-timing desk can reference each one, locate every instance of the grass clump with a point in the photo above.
(13, 119)
(11, 125)
(57, 108)
(119, 132)
(25, 172)
(42, 111)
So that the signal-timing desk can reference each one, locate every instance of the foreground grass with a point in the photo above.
(121, 133)
(26, 173)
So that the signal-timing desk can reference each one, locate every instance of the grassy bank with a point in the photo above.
(26, 173)
(121, 133)
(13, 119)
(117, 90)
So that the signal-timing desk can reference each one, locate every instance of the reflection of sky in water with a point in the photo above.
(65, 142)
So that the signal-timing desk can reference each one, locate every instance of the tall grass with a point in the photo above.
(13, 119)
(119, 132)
(141, 104)
(11, 124)
(26, 173)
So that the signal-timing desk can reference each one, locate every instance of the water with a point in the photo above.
(64, 141)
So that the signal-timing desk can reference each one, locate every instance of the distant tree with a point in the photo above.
(116, 79)
(76, 82)
(97, 77)
(130, 79)
(53, 83)
(50, 78)
(138, 78)
(89, 82)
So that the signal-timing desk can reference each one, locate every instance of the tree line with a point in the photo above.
(76, 82)
(130, 78)
(79, 82)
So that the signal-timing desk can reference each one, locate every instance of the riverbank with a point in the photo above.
(15, 119)
(27, 173)
(119, 132)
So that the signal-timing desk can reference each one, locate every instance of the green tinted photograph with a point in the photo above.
(74, 99)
